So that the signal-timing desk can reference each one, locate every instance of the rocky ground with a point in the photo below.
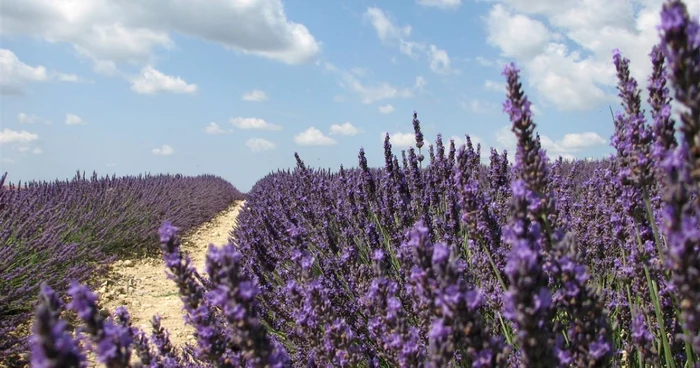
(143, 287)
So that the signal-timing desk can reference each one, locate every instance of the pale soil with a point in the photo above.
(143, 287)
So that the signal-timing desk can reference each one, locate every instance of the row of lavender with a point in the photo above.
(452, 263)
(64, 230)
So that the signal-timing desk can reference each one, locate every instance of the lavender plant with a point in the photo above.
(442, 261)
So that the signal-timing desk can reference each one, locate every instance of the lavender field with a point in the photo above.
(60, 231)
(435, 259)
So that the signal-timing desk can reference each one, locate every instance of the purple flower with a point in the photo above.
(113, 340)
(51, 344)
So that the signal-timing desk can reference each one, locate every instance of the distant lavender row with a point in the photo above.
(63, 230)
(450, 263)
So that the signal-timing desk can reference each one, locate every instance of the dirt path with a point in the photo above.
(143, 287)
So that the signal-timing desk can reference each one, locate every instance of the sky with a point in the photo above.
(234, 87)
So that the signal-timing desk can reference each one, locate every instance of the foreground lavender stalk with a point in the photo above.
(419, 136)
(531, 163)
(659, 100)
(681, 226)
(52, 345)
(235, 294)
(528, 301)
(214, 342)
(588, 332)
(680, 44)
(113, 340)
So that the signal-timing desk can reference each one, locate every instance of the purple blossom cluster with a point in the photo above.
(442, 261)
(66, 230)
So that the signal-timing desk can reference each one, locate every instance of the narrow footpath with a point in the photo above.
(143, 287)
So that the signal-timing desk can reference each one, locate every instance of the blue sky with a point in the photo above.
(234, 88)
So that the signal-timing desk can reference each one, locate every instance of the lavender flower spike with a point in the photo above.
(680, 44)
(52, 346)
(681, 226)
(113, 340)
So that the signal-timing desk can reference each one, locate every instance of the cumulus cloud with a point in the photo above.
(259, 144)
(15, 74)
(214, 128)
(25, 118)
(392, 34)
(564, 47)
(442, 4)
(570, 144)
(163, 150)
(17, 136)
(440, 61)
(379, 91)
(388, 108)
(477, 106)
(151, 81)
(109, 32)
(255, 95)
(253, 123)
(577, 141)
(495, 86)
(483, 61)
(313, 137)
(402, 140)
(72, 119)
(344, 129)
(385, 27)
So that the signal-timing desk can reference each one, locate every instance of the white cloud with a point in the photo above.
(72, 119)
(63, 77)
(163, 150)
(14, 136)
(359, 71)
(477, 106)
(313, 137)
(566, 147)
(24, 118)
(255, 95)
(386, 109)
(495, 86)
(214, 128)
(440, 61)
(516, 35)
(37, 151)
(126, 32)
(344, 129)
(14, 74)
(152, 81)
(385, 27)
(576, 141)
(259, 144)
(484, 61)
(443, 4)
(253, 123)
(391, 34)
(506, 138)
(379, 91)
(6, 160)
(402, 140)
(564, 47)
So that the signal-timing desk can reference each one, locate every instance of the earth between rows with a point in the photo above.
(143, 287)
